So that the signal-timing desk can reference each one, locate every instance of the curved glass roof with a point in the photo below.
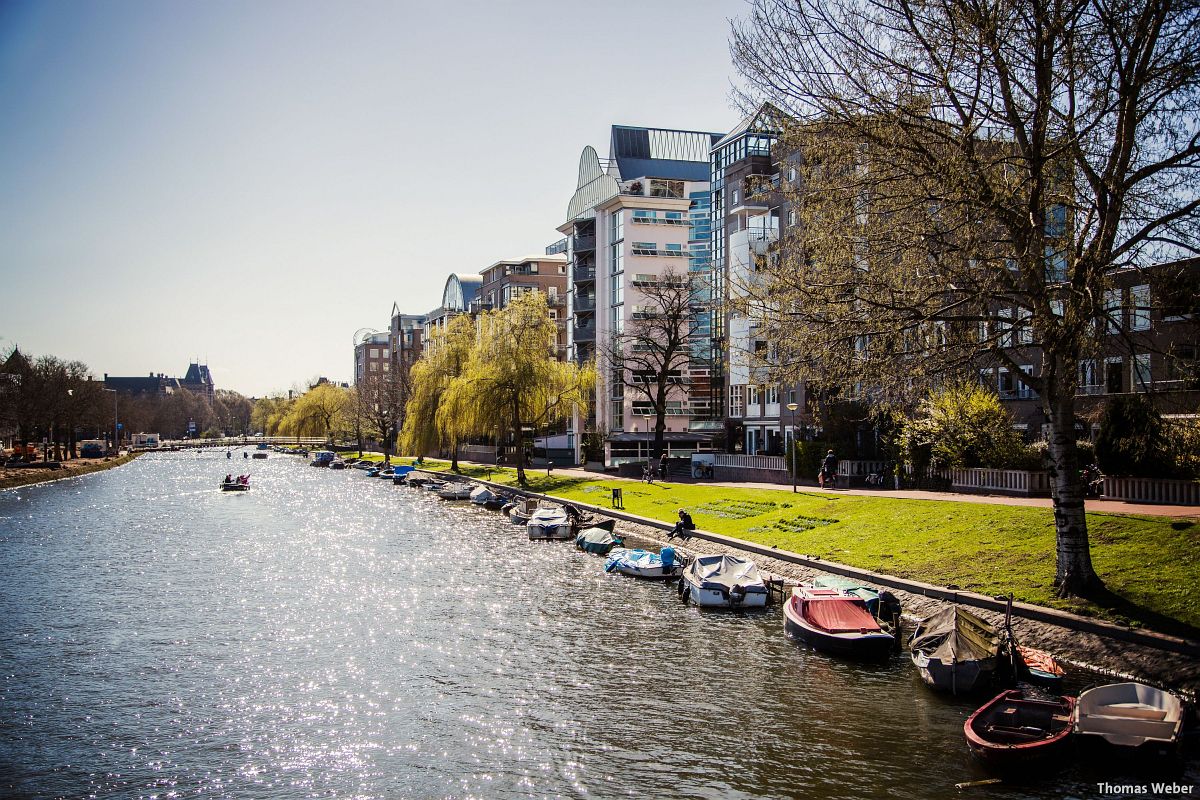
(592, 188)
(460, 291)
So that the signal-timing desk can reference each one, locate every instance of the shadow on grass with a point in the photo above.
(1121, 608)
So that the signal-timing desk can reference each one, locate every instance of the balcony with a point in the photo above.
(584, 243)
(657, 221)
(584, 333)
(659, 280)
(582, 274)
(585, 303)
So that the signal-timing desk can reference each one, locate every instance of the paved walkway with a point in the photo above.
(1093, 506)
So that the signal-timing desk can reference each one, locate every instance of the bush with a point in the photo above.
(809, 456)
(1131, 440)
(960, 427)
(1183, 444)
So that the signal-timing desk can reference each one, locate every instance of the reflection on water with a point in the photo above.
(330, 634)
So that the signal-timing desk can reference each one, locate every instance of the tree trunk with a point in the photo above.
(454, 455)
(660, 421)
(1074, 575)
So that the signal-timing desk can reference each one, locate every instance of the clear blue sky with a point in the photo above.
(250, 183)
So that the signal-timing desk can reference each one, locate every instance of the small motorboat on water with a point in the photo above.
(322, 458)
(240, 484)
(549, 522)
(598, 541)
(521, 509)
(1014, 729)
(955, 651)
(835, 621)
(337, 463)
(723, 582)
(644, 563)
(489, 498)
(1129, 715)
(400, 474)
(456, 491)
(259, 455)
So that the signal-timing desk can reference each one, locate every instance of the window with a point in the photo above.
(1024, 392)
(1112, 310)
(675, 216)
(771, 395)
(752, 396)
(674, 249)
(1141, 372)
(1056, 265)
(1114, 375)
(737, 401)
(1089, 378)
(616, 253)
(736, 197)
(665, 188)
(1004, 384)
(616, 227)
(617, 415)
(792, 174)
(792, 217)
(1056, 221)
(645, 248)
(1139, 308)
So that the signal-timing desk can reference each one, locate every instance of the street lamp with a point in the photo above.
(792, 408)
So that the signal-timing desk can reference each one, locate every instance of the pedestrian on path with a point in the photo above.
(828, 469)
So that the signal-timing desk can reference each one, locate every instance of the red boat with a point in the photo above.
(1014, 729)
(835, 622)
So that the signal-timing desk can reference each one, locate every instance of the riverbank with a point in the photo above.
(1148, 564)
(25, 476)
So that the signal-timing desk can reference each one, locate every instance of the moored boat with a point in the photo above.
(644, 563)
(455, 491)
(337, 463)
(835, 621)
(322, 458)
(482, 495)
(723, 581)
(235, 487)
(549, 522)
(1037, 666)
(520, 510)
(955, 651)
(1013, 729)
(258, 455)
(1129, 714)
(598, 541)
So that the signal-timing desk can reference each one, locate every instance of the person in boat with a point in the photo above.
(828, 469)
(245, 455)
(229, 478)
(229, 454)
(243, 479)
(683, 527)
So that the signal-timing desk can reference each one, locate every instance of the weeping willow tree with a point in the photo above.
(969, 174)
(514, 381)
(445, 357)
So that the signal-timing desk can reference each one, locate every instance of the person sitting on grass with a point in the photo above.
(683, 527)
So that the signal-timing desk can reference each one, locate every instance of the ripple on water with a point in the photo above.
(329, 634)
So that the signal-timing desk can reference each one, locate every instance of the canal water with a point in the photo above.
(330, 635)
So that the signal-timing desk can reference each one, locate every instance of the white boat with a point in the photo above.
(1129, 715)
(455, 491)
(723, 582)
(643, 563)
(550, 522)
(482, 495)
(521, 510)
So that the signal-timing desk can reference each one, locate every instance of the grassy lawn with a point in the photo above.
(1149, 564)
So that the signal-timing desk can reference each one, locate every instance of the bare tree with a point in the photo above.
(381, 397)
(650, 356)
(960, 157)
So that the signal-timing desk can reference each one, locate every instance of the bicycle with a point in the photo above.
(649, 474)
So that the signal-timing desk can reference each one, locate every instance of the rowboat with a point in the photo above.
(1129, 715)
(1014, 729)
(837, 622)
(235, 487)
(1037, 666)
(955, 651)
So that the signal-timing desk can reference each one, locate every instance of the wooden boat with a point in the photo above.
(835, 621)
(1037, 666)
(644, 564)
(723, 582)
(259, 455)
(1014, 729)
(883, 605)
(549, 522)
(522, 509)
(598, 541)
(955, 651)
(1129, 715)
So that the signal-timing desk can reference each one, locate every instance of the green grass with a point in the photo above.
(1148, 564)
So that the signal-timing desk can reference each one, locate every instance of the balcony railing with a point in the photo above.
(658, 221)
(584, 274)
(584, 333)
(585, 303)
(585, 243)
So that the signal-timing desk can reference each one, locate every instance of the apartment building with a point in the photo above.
(459, 293)
(372, 356)
(406, 337)
(642, 214)
(509, 278)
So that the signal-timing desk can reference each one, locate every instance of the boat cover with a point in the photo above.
(869, 595)
(636, 559)
(599, 536)
(840, 615)
(725, 572)
(954, 635)
(549, 516)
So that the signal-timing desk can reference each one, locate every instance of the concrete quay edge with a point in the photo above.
(1064, 619)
